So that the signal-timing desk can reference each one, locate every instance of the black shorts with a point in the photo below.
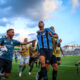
(53, 60)
(58, 58)
(50, 59)
(32, 59)
(5, 65)
(35, 59)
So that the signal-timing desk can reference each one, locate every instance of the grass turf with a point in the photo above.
(67, 70)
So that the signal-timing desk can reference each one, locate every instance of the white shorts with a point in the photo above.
(24, 60)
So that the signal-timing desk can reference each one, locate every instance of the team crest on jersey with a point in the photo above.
(5, 41)
(43, 33)
(11, 42)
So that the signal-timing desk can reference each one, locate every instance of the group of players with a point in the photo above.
(47, 50)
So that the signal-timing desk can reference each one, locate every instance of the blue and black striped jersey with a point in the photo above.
(44, 39)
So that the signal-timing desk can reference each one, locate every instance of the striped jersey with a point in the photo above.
(44, 39)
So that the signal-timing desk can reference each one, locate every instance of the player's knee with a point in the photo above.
(7, 75)
(42, 61)
(59, 63)
(47, 67)
(55, 67)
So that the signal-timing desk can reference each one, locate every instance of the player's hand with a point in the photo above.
(34, 40)
(50, 33)
(4, 48)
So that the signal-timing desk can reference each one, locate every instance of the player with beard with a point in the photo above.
(7, 56)
(45, 50)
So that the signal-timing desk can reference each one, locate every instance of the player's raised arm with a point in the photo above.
(52, 33)
(54, 36)
(24, 43)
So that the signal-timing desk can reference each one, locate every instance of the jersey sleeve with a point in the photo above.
(16, 43)
(1, 41)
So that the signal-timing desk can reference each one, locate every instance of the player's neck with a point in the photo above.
(42, 28)
(9, 37)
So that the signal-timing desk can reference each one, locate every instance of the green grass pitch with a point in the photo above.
(67, 70)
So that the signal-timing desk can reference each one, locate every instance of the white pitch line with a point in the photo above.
(60, 65)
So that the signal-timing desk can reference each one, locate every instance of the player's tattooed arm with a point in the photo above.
(33, 43)
(54, 36)
(24, 43)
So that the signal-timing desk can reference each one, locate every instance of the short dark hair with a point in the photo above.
(9, 30)
(52, 27)
(41, 22)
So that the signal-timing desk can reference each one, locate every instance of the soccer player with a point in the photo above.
(55, 43)
(33, 56)
(25, 56)
(45, 50)
(58, 53)
(16, 56)
(6, 58)
(57, 50)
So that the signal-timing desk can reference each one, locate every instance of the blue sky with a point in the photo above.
(24, 15)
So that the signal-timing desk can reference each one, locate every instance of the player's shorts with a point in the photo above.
(5, 65)
(32, 59)
(58, 58)
(24, 60)
(50, 59)
(53, 60)
(36, 59)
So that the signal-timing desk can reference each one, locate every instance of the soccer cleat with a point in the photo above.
(20, 74)
(37, 76)
(29, 73)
